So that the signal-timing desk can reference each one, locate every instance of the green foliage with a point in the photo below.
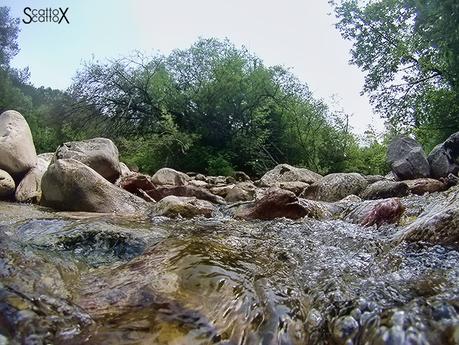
(211, 108)
(409, 51)
(232, 110)
(158, 150)
(9, 29)
(369, 159)
(219, 165)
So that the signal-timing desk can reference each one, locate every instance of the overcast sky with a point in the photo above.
(294, 33)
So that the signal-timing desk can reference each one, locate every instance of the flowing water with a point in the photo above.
(81, 279)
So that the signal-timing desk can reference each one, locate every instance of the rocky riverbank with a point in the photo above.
(91, 252)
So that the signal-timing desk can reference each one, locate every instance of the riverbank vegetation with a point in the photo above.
(216, 108)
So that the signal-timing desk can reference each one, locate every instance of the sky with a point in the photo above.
(298, 34)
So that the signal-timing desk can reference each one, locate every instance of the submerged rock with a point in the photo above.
(288, 173)
(334, 187)
(100, 154)
(70, 185)
(17, 151)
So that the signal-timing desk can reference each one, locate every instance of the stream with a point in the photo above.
(79, 278)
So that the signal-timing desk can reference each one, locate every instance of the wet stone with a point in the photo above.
(86, 278)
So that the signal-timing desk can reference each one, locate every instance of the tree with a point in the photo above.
(215, 107)
(9, 29)
(408, 50)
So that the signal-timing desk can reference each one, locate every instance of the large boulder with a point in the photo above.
(275, 204)
(385, 189)
(70, 185)
(17, 151)
(438, 224)
(7, 185)
(187, 207)
(334, 187)
(29, 189)
(168, 176)
(407, 159)
(444, 158)
(288, 173)
(100, 154)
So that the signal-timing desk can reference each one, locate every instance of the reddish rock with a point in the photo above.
(137, 184)
(386, 211)
(275, 204)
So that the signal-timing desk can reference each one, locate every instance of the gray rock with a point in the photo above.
(407, 159)
(335, 187)
(438, 224)
(385, 189)
(70, 185)
(168, 176)
(17, 151)
(124, 170)
(221, 190)
(7, 185)
(452, 147)
(241, 176)
(29, 189)
(288, 173)
(187, 207)
(374, 178)
(198, 183)
(317, 209)
(236, 194)
(421, 186)
(444, 158)
(100, 154)
(296, 187)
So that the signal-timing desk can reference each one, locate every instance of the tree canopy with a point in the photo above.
(212, 105)
(409, 51)
(211, 108)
